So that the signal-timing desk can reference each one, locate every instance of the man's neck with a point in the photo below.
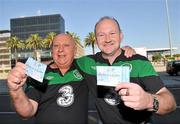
(63, 70)
(112, 57)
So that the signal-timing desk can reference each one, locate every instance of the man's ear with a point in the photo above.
(75, 49)
(51, 52)
(121, 36)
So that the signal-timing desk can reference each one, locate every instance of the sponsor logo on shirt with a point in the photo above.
(66, 96)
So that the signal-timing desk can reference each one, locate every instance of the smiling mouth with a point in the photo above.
(109, 44)
(61, 56)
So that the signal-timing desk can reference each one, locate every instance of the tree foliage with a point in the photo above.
(157, 57)
(90, 41)
(75, 37)
(49, 39)
(15, 43)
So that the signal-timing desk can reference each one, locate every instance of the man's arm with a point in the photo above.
(24, 106)
(166, 101)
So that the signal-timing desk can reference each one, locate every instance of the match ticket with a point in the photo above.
(35, 69)
(112, 75)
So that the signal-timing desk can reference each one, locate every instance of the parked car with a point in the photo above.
(173, 67)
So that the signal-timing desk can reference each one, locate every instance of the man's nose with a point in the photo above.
(107, 39)
(60, 48)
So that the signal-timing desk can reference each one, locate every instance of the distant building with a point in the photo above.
(5, 54)
(162, 51)
(149, 53)
(142, 51)
(25, 26)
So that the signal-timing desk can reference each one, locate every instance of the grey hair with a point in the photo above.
(104, 18)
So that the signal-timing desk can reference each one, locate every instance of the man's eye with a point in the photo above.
(101, 35)
(112, 33)
(55, 46)
(66, 45)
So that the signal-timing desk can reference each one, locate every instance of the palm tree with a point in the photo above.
(14, 43)
(49, 39)
(90, 40)
(35, 42)
(157, 57)
(75, 37)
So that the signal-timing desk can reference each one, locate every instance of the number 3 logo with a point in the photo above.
(66, 97)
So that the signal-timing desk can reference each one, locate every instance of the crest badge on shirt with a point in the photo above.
(66, 96)
(77, 74)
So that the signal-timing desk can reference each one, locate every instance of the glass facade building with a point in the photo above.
(25, 26)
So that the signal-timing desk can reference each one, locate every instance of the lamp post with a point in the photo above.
(169, 32)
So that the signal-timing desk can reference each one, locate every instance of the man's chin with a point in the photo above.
(62, 63)
(108, 53)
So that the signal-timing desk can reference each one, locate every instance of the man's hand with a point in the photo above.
(129, 51)
(134, 96)
(16, 77)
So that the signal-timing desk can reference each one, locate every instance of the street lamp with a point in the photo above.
(169, 32)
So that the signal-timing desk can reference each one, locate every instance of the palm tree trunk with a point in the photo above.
(37, 55)
(15, 55)
(93, 49)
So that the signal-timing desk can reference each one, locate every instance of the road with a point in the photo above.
(169, 80)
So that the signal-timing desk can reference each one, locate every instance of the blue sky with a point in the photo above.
(143, 22)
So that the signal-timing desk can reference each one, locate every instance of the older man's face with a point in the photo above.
(63, 50)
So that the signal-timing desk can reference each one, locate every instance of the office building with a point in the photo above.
(25, 26)
(5, 54)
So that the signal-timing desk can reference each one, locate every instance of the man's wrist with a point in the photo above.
(150, 105)
(154, 103)
(15, 90)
